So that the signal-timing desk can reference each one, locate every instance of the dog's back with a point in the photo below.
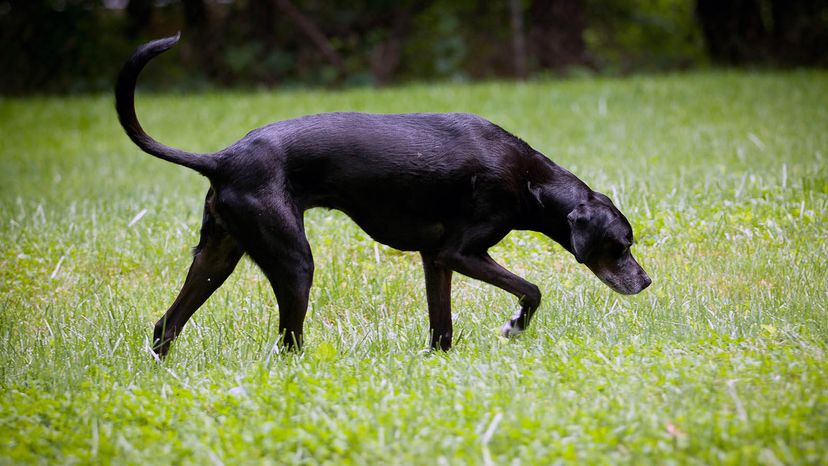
(400, 176)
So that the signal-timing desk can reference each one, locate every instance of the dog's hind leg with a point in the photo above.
(272, 232)
(438, 294)
(214, 259)
(290, 272)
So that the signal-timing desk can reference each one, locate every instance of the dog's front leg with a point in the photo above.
(482, 267)
(438, 294)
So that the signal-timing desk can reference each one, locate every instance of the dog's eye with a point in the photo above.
(617, 250)
(623, 249)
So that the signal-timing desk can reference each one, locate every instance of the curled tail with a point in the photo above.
(125, 105)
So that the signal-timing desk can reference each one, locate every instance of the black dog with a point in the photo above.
(447, 185)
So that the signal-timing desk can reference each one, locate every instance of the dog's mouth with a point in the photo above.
(627, 277)
(624, 286)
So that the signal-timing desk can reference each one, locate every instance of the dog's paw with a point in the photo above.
(510, 331)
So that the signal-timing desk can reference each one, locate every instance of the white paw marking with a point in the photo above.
(509, 331)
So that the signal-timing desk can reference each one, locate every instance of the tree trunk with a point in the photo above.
(518, 38)
(733, 30)
(314, 34)
(557, 33)
(386, 56)
(800, 31)
(204, 46)
(139, 14)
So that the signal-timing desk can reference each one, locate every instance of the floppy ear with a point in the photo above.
(582, 232)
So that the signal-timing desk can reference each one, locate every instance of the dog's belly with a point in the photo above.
(403, 233)
(399, 227)
(404, 214)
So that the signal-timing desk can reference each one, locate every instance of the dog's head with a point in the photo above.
(601, 238)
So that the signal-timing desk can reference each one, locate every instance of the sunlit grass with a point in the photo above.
(723, 176)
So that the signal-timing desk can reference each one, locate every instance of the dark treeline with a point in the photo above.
(78, 45)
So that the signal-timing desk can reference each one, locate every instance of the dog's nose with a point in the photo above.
(647, 281)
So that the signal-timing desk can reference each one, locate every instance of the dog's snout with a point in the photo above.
(647, 281)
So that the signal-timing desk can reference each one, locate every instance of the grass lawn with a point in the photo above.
(722, 360)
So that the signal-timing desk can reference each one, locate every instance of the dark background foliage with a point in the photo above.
(66, 46)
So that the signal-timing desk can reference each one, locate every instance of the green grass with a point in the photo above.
(721, 360)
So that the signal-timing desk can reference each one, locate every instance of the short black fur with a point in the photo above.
(449, 186)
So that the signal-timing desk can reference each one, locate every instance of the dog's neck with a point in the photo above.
(554, 192)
